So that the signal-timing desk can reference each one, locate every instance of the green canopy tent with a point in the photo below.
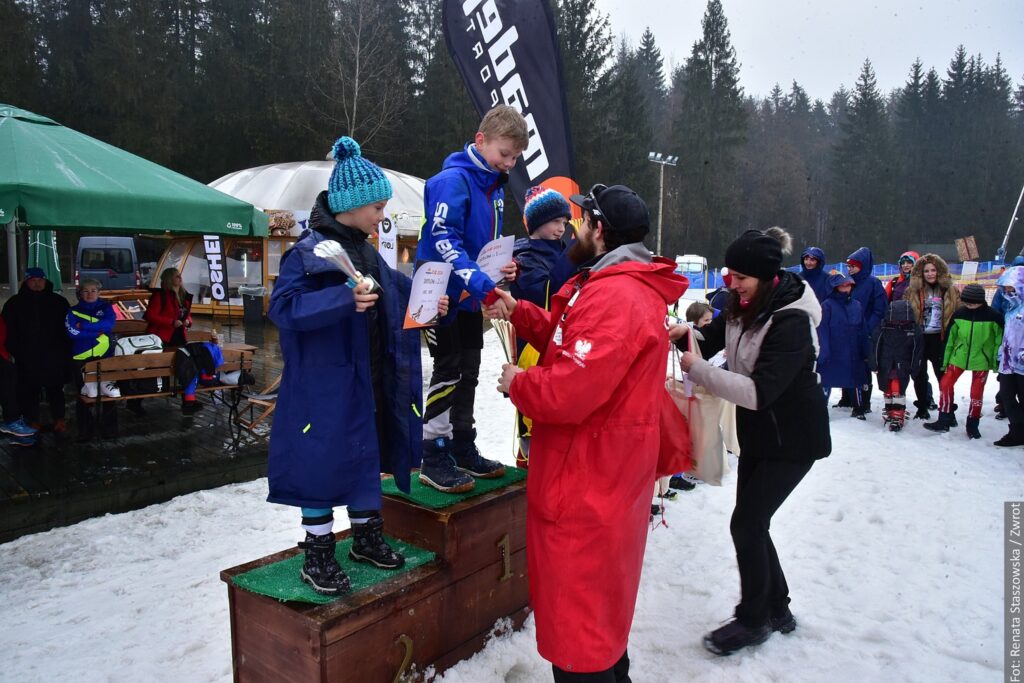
(53, 177)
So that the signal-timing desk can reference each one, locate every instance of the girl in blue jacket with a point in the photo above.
(350, 399)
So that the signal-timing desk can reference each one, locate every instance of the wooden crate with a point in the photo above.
(432, 616)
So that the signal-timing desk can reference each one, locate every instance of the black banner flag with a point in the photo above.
(507, 52)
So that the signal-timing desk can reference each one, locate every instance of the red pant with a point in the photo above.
(978, 378)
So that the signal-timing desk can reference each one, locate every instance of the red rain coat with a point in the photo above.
(598, 403)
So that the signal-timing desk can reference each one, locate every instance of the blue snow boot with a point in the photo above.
(439, 470)
(469, 460)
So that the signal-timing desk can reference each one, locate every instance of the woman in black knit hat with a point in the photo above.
(768, 331)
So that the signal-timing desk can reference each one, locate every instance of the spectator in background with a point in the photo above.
(895, 288)
(169, 316)
(169, 313)
(719, 298)
(842, 343)
(1011, 356)
(933, 299)
(999, 299)
(868, 290)
(975, 333)
(89, 325)
(13, 425)
(40, 347)
(812, 270)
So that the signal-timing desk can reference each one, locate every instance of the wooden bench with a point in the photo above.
(153, 365)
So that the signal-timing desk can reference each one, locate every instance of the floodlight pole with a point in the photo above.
(1001, 252)
(663, 161)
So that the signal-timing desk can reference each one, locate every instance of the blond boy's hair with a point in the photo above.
(505, 122)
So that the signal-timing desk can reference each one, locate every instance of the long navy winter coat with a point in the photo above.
(869, 290)
(324, 446)
(843, 342)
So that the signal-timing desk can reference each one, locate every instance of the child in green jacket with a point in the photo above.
(973, 339)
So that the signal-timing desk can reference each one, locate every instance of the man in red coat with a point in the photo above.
(596, 398)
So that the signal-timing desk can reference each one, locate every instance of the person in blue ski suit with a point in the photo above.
(351, 390)
(842, 343)
(463, 210)
(870, 292)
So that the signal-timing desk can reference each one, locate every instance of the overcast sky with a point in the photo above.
(823, 44)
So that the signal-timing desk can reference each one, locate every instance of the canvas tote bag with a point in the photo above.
(703, 413)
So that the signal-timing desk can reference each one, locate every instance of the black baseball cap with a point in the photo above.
(619, 207)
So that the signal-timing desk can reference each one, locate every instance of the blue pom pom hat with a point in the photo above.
(355, 180)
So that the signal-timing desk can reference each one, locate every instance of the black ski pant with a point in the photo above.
(934, 350)
(29, 391)
(761, 488)
(1011, 395)
(8, 391)
(455, 349)
(617, 673)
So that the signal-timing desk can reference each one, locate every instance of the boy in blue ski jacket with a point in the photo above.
(463, 209)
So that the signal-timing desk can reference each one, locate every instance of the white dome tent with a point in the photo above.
(294, 186)
(288, 188)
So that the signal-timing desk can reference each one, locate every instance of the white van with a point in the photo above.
(695, 268)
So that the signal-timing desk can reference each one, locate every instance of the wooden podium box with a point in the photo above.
(432, 616)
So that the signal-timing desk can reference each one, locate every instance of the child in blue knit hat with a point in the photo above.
(542, 261)
(546, 213)
(351, 395)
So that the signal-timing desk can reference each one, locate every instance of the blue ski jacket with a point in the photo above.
(869, 290)
(463, 209)
(89, 326)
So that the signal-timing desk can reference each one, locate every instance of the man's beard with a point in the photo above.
(582, 251)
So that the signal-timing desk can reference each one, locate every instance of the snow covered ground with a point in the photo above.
(892, 547)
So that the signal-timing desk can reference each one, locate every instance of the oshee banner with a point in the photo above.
(218, 272)
(507, 52)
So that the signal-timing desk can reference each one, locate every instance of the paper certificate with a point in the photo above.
(495, 255)
(428, 285)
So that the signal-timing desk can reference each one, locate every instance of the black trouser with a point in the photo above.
(761, 488)
(617, 673)
(934, 349)
(29, 390)
(9, 391)
(1011, 395)
(456, 350)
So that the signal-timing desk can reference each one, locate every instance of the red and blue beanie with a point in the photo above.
(355, 180)
(543, 205)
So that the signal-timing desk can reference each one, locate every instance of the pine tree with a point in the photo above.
(862, 193)
(709, 126)
(20, 72)
(651, 73)
(586, 43)
(627, 129)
